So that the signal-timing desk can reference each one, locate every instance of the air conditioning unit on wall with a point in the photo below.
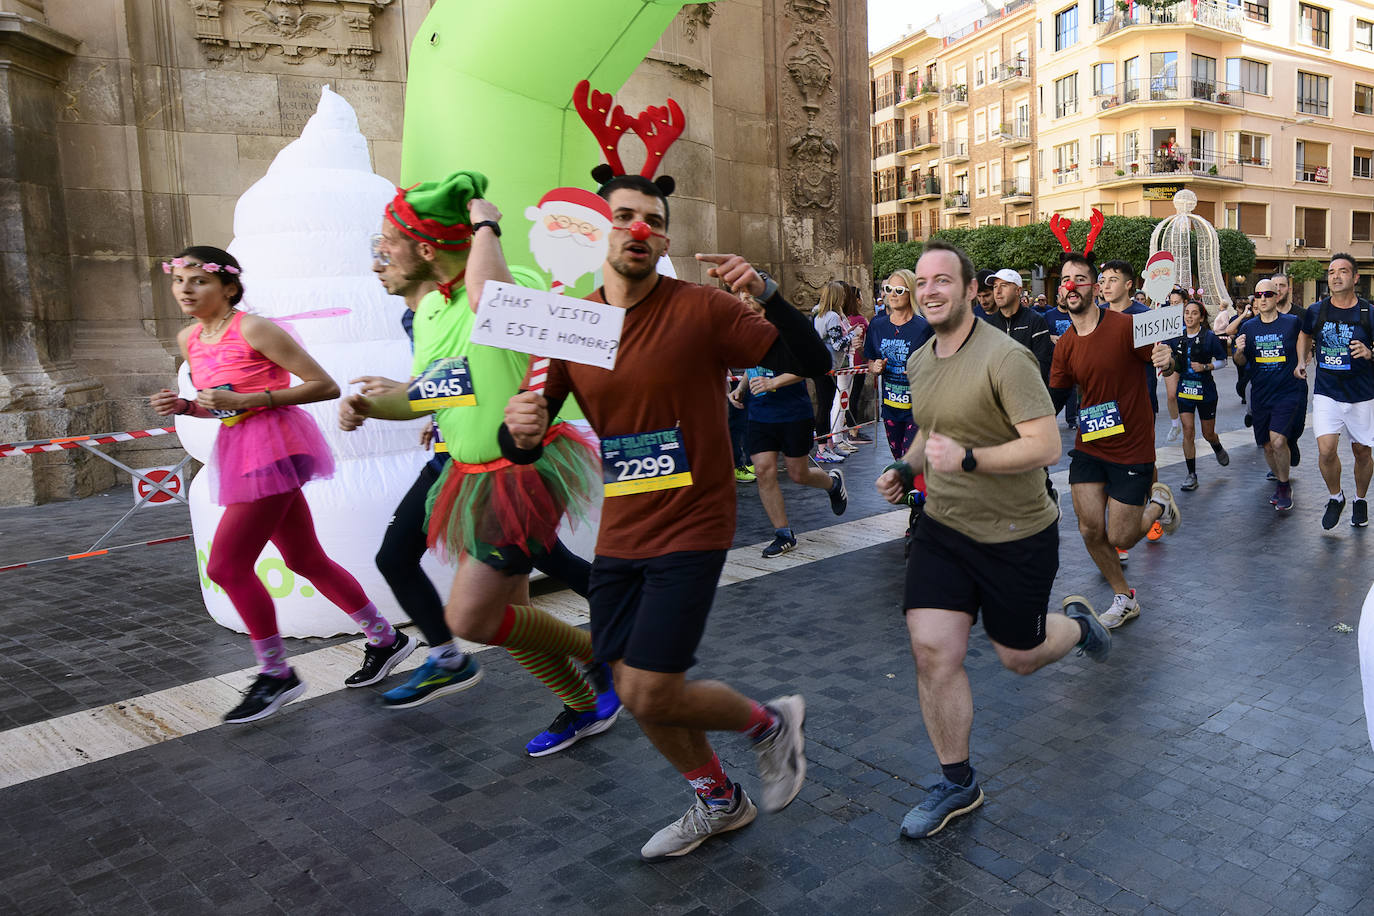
(1297, 243)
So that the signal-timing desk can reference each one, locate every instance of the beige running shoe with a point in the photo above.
(1160, 493)
(701, 822)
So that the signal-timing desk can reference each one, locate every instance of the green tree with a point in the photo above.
(1029, 246)
(1306, 269)
(1237, 252)
(890, 256)
(1124, 238)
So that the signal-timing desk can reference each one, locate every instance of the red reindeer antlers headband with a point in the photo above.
(1060, 227)
(658, 126)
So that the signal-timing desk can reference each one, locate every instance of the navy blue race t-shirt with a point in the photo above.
(1204, 347)
(783, 405)
(1340, 376)
(895, 344)
(1271, 353)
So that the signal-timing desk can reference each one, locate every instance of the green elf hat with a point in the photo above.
(436, 212)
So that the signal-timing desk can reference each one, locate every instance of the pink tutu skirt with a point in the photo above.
(269, 452)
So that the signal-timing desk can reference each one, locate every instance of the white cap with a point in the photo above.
(1006, 273)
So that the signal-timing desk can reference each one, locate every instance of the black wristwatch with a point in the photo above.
(969, 463)
(495, 227)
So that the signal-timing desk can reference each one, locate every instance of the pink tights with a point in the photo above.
(284, 520)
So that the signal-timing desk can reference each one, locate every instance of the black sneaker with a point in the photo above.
(1359, 514)
(839, 498)
(783, 541)
(1332, 515)
(378, 661)
(265, 696)
(1294, 455)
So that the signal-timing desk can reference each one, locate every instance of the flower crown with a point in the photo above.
(207, 267)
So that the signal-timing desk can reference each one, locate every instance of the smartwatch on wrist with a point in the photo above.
(969, 463)
(495, 227)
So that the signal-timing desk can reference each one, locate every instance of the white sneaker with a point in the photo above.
(847, 448)
(1175, 433)
(782, 754)
(699, 824)
(1124, 608)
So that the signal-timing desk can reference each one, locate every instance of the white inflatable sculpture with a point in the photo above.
(1174, 235)
(302, 235)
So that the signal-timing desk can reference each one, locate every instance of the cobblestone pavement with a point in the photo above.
(1218, 763)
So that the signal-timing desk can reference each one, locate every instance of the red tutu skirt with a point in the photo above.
(481, 508)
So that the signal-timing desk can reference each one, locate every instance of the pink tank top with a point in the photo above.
(233, 361)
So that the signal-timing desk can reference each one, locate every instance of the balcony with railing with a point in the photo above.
(1016, 190)
(927, 188)
(919, 141)
(1014, 133)
(1066, 107)
(1065, 174)
(885, 194)
(1124, 97)
(954, 97)
(1012, 73)
(1205, 14)
(1313, 174)
(1204, 166)
(957, 202)
(955, 150)
(919, 91)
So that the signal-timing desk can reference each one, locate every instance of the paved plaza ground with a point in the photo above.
(1217, 763)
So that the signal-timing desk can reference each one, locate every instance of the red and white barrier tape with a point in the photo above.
(67, 442)
(95, 553)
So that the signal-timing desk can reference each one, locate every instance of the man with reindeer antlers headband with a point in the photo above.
(1112, 462)
(664, 535)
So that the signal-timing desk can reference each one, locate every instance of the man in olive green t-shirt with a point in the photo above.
(989, 539)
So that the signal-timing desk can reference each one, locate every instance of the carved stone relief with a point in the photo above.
(335, 31)
(696, 16)
(809, 11)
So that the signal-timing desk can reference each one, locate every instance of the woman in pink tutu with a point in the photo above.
(241, 365)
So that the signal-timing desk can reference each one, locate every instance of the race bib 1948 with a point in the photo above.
(444, 383)
(1099, 421)
(896, 394)
(644, 462)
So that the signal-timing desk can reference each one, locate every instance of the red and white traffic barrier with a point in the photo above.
(68, 442)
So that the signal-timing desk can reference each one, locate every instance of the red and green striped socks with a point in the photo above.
(545, 647)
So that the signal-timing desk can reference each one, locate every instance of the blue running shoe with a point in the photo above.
(572, 726)
(945, 802)
(431, 681)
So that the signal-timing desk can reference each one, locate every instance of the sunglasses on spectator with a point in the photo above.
(894, 290)
(1266, 295)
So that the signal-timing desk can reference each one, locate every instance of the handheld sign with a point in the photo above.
(1158, 324)
(546, 324)
(1160, 272)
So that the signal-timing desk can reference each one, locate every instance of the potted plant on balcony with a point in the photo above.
(1120, 172)
(1212, 170)
(1135, 167)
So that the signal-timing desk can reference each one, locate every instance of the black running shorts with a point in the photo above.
(651, 613)
(1010, 582)
(792, 438)
(1286, 418)
(1126, 483)
(1206, 410)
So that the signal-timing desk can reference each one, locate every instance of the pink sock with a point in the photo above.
(378, 631)
(760, 722)
(711, 783)
(271, 655)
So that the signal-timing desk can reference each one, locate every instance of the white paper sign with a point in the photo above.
(1158, 324)
(1160, 272)
(545, 324)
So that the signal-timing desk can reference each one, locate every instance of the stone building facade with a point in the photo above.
(132, 129)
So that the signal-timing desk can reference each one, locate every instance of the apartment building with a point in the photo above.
(1264, 108)
(989, 120)
(906, 139)
(953, 128)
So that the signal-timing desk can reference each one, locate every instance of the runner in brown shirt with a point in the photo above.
(1112, 462)
(669, 513)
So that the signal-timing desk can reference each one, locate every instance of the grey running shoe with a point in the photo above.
(945, 802)
(1189, 483)
(1223, 458)
(701, 822)
(1160, 493)
(782, 753)
(1098, 642)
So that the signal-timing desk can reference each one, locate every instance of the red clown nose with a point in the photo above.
(640, 231)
